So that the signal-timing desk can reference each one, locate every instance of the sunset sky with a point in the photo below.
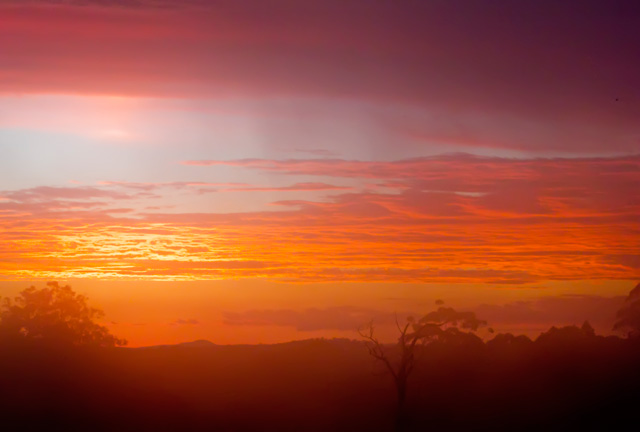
(259, 171)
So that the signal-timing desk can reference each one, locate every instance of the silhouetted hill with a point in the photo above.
(567, 380)
(201, 343)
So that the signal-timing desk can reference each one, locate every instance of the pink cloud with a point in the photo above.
(44, 193)
(308, 186)
(149, 186)
(483, 79)
(456, 184)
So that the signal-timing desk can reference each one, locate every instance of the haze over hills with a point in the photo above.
(567, 380)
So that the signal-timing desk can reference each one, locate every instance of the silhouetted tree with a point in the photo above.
(567, 335)
(54, 314)
(441, 325)
(629, 315)
(503, 341)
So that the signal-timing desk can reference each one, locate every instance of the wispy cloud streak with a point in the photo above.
(453, 218)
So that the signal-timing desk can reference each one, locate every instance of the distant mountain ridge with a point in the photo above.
(203, 343)
(200, 343)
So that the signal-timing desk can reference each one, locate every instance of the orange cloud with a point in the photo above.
(450, 219)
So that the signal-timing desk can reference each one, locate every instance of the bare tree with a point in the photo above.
(440, 325)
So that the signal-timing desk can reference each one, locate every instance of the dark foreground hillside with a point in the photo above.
(556, 383)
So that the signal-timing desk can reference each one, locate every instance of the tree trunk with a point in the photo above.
(401, 415)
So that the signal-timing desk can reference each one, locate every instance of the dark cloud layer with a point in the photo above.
(547, 75)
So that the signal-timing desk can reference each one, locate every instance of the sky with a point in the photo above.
(262, 171)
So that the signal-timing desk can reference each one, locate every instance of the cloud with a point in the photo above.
(182, 185)
(127, 4)
(316, 152)
(450, 218)
(384, 273)
(454, 184)
(46, 200)
(44, 193)
(188, 322)
(438, 166)
(631, 261)
(540, 314)
(308, 186)
(208, 187)
(527, 316)
(482, 80)
(346, 318)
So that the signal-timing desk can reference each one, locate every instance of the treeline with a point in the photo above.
(567, 379)
(59, 370)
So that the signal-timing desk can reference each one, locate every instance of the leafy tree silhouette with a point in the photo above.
(441, 325)
(55, 314)
(629, 315)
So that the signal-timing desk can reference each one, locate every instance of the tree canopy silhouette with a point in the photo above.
(54, 314)
(629, 315)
